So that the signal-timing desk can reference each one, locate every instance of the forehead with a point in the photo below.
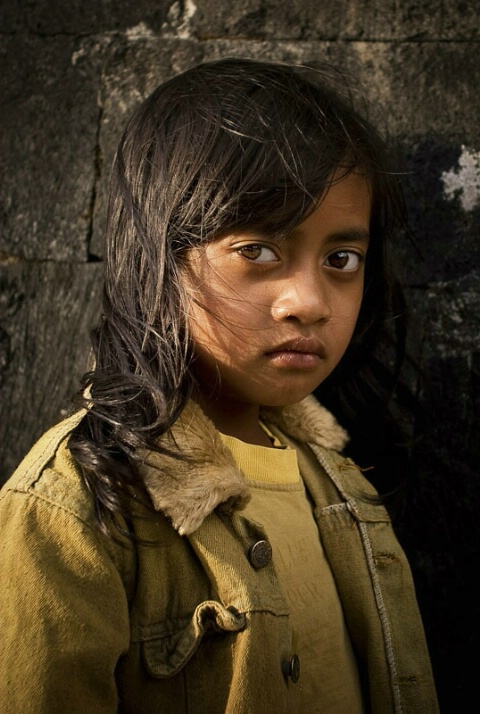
(345, 207)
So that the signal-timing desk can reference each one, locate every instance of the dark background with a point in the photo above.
(69, 77)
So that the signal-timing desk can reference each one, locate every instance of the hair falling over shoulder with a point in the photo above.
(228, 144)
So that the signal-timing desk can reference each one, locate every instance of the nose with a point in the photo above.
(304, 298)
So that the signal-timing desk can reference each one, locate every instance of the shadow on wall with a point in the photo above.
(438, 519)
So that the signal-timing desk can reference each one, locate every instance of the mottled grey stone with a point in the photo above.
(417, 20)
(443, 244)
(446, 317)
(80, 17)
(46, 313)
(133, 68)
(48, 138)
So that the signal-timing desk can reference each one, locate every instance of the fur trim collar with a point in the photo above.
(308, 422)
(196, 472)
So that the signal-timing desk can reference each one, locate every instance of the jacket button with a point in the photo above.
(291, 668)
(260, 554)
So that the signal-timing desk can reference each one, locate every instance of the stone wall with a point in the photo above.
(70, 76)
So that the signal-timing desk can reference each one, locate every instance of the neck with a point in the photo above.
(234, 419)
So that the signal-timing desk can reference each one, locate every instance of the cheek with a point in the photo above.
(345, 314)
(357, 302)
(350, 301)
(219, 309)
(224, 326)
(215, 312)
(215, 322)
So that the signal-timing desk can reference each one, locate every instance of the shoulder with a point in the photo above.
(47, 515)
(49, 474)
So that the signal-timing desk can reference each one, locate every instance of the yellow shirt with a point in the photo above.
(329, 680)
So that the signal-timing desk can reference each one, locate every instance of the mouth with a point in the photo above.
(299, 353)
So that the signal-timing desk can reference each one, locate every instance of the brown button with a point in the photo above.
(260, 554)
(291, 668)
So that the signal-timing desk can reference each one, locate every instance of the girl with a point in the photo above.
(191, 540)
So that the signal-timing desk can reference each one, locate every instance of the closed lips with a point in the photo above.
(302, 345)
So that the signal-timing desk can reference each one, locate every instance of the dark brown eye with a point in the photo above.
(343, 260)
(258, 253)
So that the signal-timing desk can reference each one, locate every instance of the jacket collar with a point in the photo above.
(194, 471)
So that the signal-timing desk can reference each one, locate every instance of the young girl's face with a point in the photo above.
(269, 318)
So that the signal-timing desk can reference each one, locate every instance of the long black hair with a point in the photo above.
(228, 144)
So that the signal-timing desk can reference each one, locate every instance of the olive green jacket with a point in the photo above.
(195, 622)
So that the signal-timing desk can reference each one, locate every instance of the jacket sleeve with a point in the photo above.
(63, 612)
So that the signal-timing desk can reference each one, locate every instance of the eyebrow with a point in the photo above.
(354, 234)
